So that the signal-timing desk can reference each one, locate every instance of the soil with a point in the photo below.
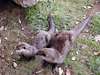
(13, 29)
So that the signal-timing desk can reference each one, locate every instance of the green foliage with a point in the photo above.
(96, 25)
(66, 12)
(91, 43)
(95, 64)
(94, 61)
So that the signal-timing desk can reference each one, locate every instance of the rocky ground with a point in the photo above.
(14, 28)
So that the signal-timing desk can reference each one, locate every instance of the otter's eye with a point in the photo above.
(24, 47)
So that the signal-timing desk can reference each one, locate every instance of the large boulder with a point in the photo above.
(26, 3)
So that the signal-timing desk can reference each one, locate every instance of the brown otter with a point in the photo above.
(40, 41)
(61, 43)
(53, 46)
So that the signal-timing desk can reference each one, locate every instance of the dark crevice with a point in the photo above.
(7, 4)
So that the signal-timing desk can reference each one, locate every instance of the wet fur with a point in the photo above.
(53, 46)
(61, 42)
(58, 41)
(41, 40)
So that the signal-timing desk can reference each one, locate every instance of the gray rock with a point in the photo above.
(26, 3)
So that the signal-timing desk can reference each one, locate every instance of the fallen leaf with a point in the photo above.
(96, 53)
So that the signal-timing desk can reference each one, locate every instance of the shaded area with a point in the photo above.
(4, 4)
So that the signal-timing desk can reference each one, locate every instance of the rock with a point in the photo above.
(26, 3)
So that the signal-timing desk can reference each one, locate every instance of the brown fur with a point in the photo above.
(61, 42)
(54, 46)
(40, 41)
(58, 41)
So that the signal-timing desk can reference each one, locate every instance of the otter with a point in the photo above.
(50, 45)
(61, 42)
(41, 40)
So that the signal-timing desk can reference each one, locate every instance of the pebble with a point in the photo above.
(22, 28)
(5, 28)
(14, 64)
(6, 38)
(60, 71)
(84, 7)
(86, 30)
(83, 36)
(95, 53)
(19, 21)
(77, 22)
(89, 7)
(1, 28)
(73, 58)
(84, 46)
(12, 53)
(0, 41)
(77, 52)
(2, 56)
(97, 38)
(84, 16)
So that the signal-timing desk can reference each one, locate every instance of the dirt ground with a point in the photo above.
(13, 29)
